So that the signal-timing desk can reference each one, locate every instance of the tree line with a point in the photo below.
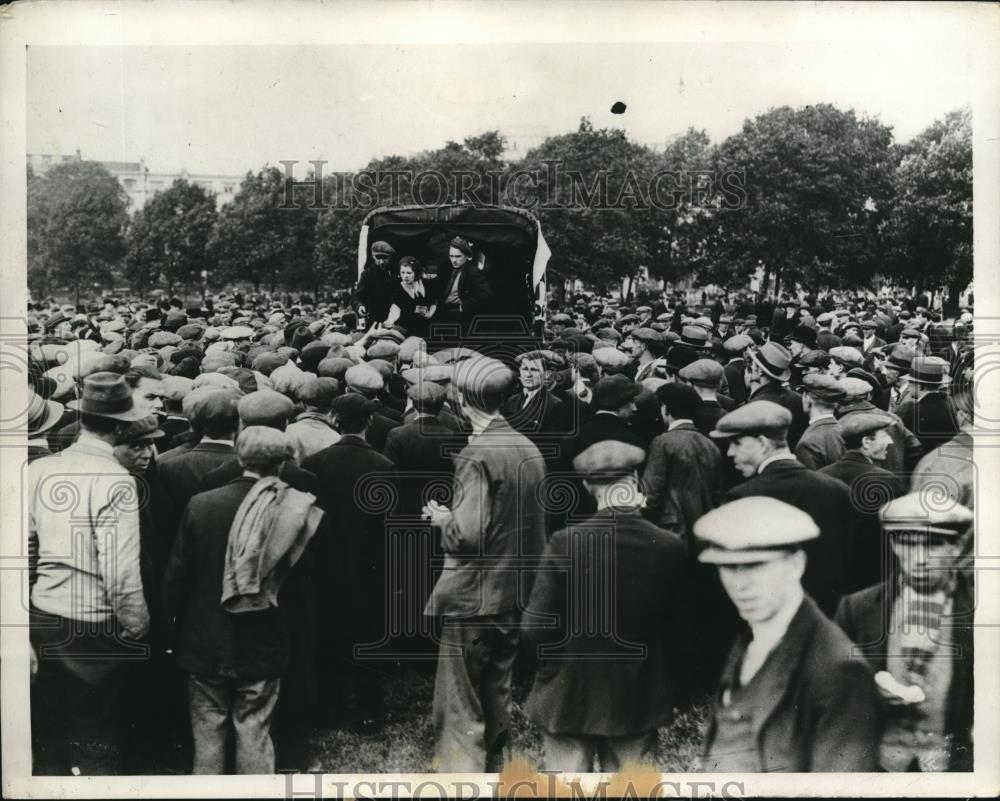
(816, 195)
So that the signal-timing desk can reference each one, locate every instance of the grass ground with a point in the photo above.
(405, 744)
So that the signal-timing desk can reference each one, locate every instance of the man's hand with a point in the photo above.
(437, 513)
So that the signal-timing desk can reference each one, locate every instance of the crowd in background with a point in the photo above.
(271, 509)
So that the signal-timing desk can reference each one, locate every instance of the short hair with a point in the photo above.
(353, 423)
(262, 449)
(414, 264)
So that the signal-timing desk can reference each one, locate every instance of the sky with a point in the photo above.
(229, 109)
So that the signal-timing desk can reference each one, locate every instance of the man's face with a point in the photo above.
(759, 589)
(147, 397)
(891, 375)
(457, 258)
(789, 311)
(924, 555)
(633, 347)
(532, 373)
(910, 342)
(879, 445)
(381, 260)
(747, 453)
(627, 411)
(135, 456)
(796, 349)
(627, 328)
(836, 369)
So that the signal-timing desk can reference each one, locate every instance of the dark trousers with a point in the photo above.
(76, 695)
(472, 692)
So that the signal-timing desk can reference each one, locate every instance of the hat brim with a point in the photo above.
(723, 556)
(53, 414)
(784, 375)
(128, 416)
(152, 435)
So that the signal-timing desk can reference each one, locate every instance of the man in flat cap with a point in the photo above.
(866, 441)
(88, 612)
(706, 376)
(683, 476)
(494, 530)
(353, 613)
(758, 445)
(536, 411)
(821, 443)
(466, 291)
(376, 285)
(869, 336)
(635, 664)
(895, 370)
(925, 670)
(645, 346)
(905, 451)
(736, 348)
(312, 429)
(766, 376)
(791, 698)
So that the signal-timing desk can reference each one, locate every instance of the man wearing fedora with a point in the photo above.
(767, 372)
(916, 629)
(88, 611)
(932, 417)
(43, 415)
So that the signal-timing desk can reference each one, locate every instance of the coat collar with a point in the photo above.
(772, 681)
(352, 440)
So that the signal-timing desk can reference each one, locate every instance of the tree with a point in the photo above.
(590, 195)
(76, 223)
(816, 184)
(929, 227)
(168, 239)
(259, 235)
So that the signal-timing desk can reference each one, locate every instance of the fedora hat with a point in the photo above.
(42, 414)
(774, 360)
(107, 395)
(929, 370)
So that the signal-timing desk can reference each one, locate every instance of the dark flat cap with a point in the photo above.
(613, 392)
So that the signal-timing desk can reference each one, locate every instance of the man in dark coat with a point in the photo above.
(683, 475)
(735, 367)
(376, 285)
(767, 372)
(365, 380)
(635, 665)
(916, 630)
(932, 417)
(759, 449)
(213, 415)
(866, 439)
(535, 411)
(465, 288)
(821, 443)
(352, 477)
(236, 655)
(791, 698)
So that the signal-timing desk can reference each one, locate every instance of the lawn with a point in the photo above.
(405, 745)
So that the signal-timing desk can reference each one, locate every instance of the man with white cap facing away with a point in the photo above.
(791, 698)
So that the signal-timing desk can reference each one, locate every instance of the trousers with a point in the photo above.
(248, 706)
(472, 695)
(570, 753)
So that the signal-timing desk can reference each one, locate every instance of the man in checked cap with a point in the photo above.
(925, 670)
(790, 697)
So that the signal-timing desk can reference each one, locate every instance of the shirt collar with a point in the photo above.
(678, 422)
(774, 458)
(481, 422)
(95, 443)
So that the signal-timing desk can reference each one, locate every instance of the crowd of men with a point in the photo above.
(245, 514)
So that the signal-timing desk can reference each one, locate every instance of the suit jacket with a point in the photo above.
(380, 426)
(496, 527)
(877, 342)
(871, 488)
(290, 473)
(932, 420)
(826, 500)
(544, 420)
(636, 668)
(604, 426)
(790, 400)
(820, 444)
(473, 289)
(209, 640)
(184, 475)
(865, 617)
(375, 289)
(423, 452)
(355, 485)
(734, 373)
(683, 479)
(812, 708)
(905, 451)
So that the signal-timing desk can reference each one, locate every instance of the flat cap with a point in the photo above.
(384, 368)
(815, 358)
(383, 349)
(233, 332)
(334, 367)
(610, 357)
(847, 356)
(383, 247)
(561, 318)
(803, 334)
(146, 428)
(909, 333)
(427, 396)
(269, 361)
(409, 348)
(263, 407)
(613, 392)
(434, 373)
(703, 372)
(859, 424)
(247, 379)
(215, 381)
(648, 335)
(756, 417)
(463, 245)
(754, 529)
(917, 511)
(549, 358)
(855, 388)
(174, 388)
(608, 457)
(319, 392)
(192, 331)
(364, 378)
(825, 317)
(678, 357)
(162, 338)
(477, 376)
(824, 387)
(609, 335)
(737, 343)
(213, 409)
(864, 375)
